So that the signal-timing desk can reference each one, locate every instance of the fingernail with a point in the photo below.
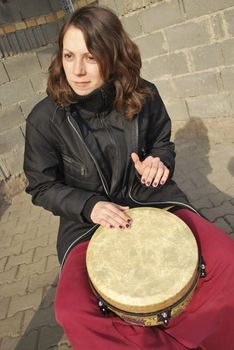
(147, 183)
(121, 227)
(111, 226)
(127, 225)
(143, 181)
(162, 182)
(155, 184)
(129, 220)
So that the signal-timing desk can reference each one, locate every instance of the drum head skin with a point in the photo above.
(147, 267)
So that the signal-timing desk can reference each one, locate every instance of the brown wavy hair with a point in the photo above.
(117, 55)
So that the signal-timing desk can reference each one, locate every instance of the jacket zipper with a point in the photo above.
(161, 202)
(102, 177)
(102, 122)
(71, 245)
(104, 183)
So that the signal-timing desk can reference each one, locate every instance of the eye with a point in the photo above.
(90, 58)
(67, 56)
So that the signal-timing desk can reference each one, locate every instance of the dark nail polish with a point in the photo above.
(120, 226)
(155, 184)
(129, 220)
(147, 183)
(162, 182)
(111, 226)
(127, 225)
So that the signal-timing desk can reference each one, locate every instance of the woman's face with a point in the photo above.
(81, 69)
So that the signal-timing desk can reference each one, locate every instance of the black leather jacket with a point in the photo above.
(64, 173)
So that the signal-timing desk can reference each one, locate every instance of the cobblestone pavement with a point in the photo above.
(28, 261)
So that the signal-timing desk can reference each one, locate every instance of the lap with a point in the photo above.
(77, 310)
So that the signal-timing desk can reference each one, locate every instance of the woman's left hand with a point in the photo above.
(152, 170)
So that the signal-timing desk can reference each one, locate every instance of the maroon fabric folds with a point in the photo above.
(206, 324)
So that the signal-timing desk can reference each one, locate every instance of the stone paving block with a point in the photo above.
(24, 302)
(43, 317)
(39, 81)
(14, 288)
(49, 296)
(40, 281)
(219, 211)
(230, 219)
(15, 91)
(3, 75)
(10, 117)
(3, 262)
(20, 259)
(45, 56)
(22, 65)
(10, 140)
(188, 34)
(49, 336)
(29, 341)
(31, 269)
(11, 326)
(14, 250)
(6, 241)
(44, 252)
(4, 304)
(202, 203)
(30, 102)
(8, 276)
(52, 262)
(9, 343)
(41, 241)
(223, 225)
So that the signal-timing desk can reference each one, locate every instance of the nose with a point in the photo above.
(79, 67)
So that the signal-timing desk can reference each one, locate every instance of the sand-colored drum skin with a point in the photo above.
(145, 274)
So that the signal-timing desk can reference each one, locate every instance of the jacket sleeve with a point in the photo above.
(158, 143)
(42, 167)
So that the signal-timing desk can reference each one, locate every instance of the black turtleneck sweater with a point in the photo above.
(95, 113)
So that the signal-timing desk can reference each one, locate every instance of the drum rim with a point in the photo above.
(156, 312)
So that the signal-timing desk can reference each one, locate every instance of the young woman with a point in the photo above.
(96, 146)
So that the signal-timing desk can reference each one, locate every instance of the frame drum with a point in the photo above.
(145, 274)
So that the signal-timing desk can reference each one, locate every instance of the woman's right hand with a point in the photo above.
(110, 215)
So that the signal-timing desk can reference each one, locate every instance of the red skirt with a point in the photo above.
(206, 324)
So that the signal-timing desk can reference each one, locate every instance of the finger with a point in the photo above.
(159, 174)
(120, 217)
(165, 176)
(115, 222)
(145, 178)
(137, 163)
(153, 171)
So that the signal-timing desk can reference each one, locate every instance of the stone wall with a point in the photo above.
(187, 49)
